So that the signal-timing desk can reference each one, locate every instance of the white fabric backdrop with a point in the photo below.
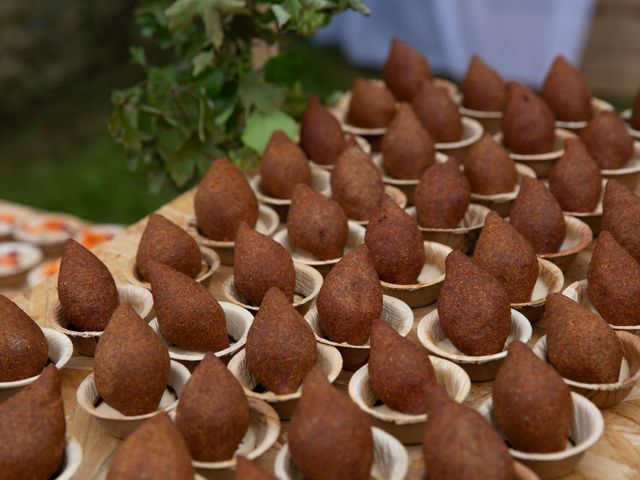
(519, 38)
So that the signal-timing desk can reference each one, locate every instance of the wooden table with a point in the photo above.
(615, 456)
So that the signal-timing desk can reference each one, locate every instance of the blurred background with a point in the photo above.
(60, 60)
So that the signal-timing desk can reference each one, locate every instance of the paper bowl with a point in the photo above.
(472, 131)
(262, 434)
(117, 424)
(626, 116)
(427, 289)
(479, 368)
(448, 86)
(629, 175)
(463, 236)
(587, 426)
(550, 280)
(320, 182)
(209, 263)
(308, 283)
(409, 429)
(579, 293)
(97, 234)
(341, 112)
(501, 202)
(395, 312)
(396, 195)
(594, 218)
(605, 395)
(541, 163)
(597, 106)
(70, 461)
(10, 217)
(238, 322)
(39, 274)
(85, 342)
(267, 223)
(60, 351)
(523, 472)
(26, 257)
(490, 120)
(577, 238)
(390, 459)
(341, 108)
(633, 132)
(328, 360)
(407, 186)
(32, 229)
(355, 238)
(362, 142)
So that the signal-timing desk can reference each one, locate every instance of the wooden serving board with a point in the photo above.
(616, 456)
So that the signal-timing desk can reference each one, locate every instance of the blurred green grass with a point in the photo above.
(61, 157)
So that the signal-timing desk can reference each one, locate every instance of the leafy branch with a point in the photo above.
(204, 99)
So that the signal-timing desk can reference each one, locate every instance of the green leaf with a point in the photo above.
(360, 6)
(208, 152)
(312, 20)
(222, 117)
(227, 6)
(148, 155)
(148, 125)
(294, 8)
(182, 12)
(244, 157)
(282, 16)
(260, 126)
(133, 162)
(201, 62)
(203, 163)
(254, 90)
(201, 116)
(213, 27)
(123, 121)
(157, 181)
(284, 69)
(210, 83)
(334, 97)
(138, 56)
(170, 140)
(317, 4)
(181, 165)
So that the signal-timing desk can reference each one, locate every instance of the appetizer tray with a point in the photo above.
(615, 456)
